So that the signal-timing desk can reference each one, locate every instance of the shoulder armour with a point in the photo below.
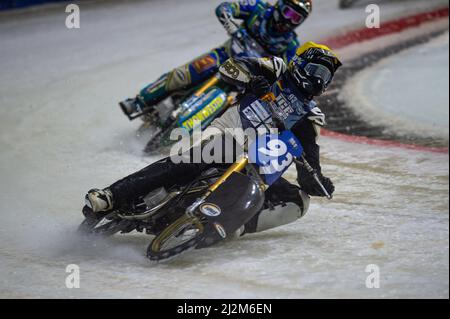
(317, 117)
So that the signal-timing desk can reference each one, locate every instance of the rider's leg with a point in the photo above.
(166, 173)
(163, 173)
(122, 193)
(183, 77)
(285, 203)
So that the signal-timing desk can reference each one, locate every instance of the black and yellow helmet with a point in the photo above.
(289, 14)
(313, 68)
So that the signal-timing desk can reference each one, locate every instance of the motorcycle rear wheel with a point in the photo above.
(181, 236)
(160, 141)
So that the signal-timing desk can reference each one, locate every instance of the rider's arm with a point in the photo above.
(308, 133)
(240, 71)
(291, 50)
(228, 12)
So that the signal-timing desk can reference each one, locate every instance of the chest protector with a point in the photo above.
(288, 108)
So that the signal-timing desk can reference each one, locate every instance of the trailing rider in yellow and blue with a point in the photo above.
(271, 26)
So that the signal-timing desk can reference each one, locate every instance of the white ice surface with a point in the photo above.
(407, 92)
(62, 133)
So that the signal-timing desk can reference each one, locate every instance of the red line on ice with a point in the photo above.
(386, 28)
(366, 34)
(383, 143)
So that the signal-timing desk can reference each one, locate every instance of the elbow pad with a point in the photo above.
(235, 73)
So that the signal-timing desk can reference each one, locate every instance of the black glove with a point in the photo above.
(328, 184)
(312, 188)
(258, 86)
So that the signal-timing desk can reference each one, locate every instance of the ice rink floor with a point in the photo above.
(62, 133)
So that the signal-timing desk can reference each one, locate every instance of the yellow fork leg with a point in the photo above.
(213, 81)
(238, 166)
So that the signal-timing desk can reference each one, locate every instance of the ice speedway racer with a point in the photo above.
(200, 213)
(188, 205)
(256, 29)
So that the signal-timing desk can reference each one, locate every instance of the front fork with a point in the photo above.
(237, 167)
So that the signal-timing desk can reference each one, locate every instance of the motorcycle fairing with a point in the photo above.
(239, 198)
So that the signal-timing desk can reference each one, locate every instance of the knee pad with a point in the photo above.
(306, 201)
(178, 79)
(281, 214)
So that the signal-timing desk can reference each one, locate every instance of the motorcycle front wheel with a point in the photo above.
(181, 236)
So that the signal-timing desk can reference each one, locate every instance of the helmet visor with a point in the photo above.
(318, 71)
(293, 16)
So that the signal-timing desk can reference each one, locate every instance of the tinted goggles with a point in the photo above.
(293, 16)
(318, 71)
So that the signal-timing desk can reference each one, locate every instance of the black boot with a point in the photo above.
(134, 108)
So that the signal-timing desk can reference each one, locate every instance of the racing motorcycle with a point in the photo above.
(199, 105)
(213, 206)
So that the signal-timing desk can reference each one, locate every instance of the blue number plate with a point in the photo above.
(274, 153)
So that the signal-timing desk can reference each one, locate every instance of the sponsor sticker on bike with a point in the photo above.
(210, 210)
(220, 230)
(206, 113)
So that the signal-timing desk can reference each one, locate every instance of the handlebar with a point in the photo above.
(314, 174)
(249, 47)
